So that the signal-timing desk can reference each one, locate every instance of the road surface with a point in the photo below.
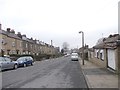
(51, 73)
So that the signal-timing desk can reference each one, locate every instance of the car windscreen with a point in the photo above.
(20, 59)
(74, 54)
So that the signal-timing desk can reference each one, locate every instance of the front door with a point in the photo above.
(111, 58)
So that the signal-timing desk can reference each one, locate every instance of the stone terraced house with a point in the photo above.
(11, 43)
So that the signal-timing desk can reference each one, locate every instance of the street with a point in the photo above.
(51, 73)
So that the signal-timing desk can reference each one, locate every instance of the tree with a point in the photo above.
(65, 47)
(62, 51)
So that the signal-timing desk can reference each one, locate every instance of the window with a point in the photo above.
(13, 44)
(24, 52)
(37, 54)
(26, 45)
(101, 54)
(96, 53)
(29, 53)
(3, 41)
(13, 52)
(8, 52)
(31, 46)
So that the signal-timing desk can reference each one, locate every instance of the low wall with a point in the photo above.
(98, 62)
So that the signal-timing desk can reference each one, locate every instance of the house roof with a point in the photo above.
(101, 46)
(101, 40)
(12, 35)
(3, 32)
(90, 49)
(112, 38)
(110, 42)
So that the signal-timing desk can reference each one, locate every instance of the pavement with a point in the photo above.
(98, 77)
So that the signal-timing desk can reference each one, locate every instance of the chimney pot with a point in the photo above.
(19, 35)
(31, 38)
(12, 31)
(24, 35)
(8, 30)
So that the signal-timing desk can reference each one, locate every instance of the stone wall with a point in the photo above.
(99, 62)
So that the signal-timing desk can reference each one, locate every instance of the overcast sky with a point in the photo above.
(61, 20)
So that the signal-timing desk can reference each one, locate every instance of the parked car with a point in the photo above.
(25, 61)
(7, 63)
(74, 56)
(67, 55)
(7, 56)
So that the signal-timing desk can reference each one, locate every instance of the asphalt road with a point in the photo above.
(52, 73)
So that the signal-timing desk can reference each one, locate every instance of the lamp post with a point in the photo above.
(82, 46)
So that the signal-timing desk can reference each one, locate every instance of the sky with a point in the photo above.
(61, 20)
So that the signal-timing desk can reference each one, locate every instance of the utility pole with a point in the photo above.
(82, 46)
(51, 48)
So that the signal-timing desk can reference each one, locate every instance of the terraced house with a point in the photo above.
(11, 43)
(106, 53)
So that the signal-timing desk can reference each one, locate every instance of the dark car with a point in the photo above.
(25, 61)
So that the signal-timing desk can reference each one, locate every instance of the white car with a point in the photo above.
(67, 55)
(74, 56)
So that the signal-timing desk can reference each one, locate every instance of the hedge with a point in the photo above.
(35, 57)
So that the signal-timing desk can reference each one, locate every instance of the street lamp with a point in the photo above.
(82, 46)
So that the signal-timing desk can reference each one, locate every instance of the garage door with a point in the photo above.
(111, 58)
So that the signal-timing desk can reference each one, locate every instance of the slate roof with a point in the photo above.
(3, 32)
(110, 42)
(112, 38)
(12, 35)
(90, 49)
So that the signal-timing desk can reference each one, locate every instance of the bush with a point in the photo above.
(16, 56)
(35, 57)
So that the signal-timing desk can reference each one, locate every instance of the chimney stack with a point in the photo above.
(8, 30)
(19, 35)
(0, 26)
(51, 42)
(12, 31)
(24, 35)
(31, 38)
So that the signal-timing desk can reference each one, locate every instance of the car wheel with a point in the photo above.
(15, 66)
(31, 64)
(24, 65)
(0, 69)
